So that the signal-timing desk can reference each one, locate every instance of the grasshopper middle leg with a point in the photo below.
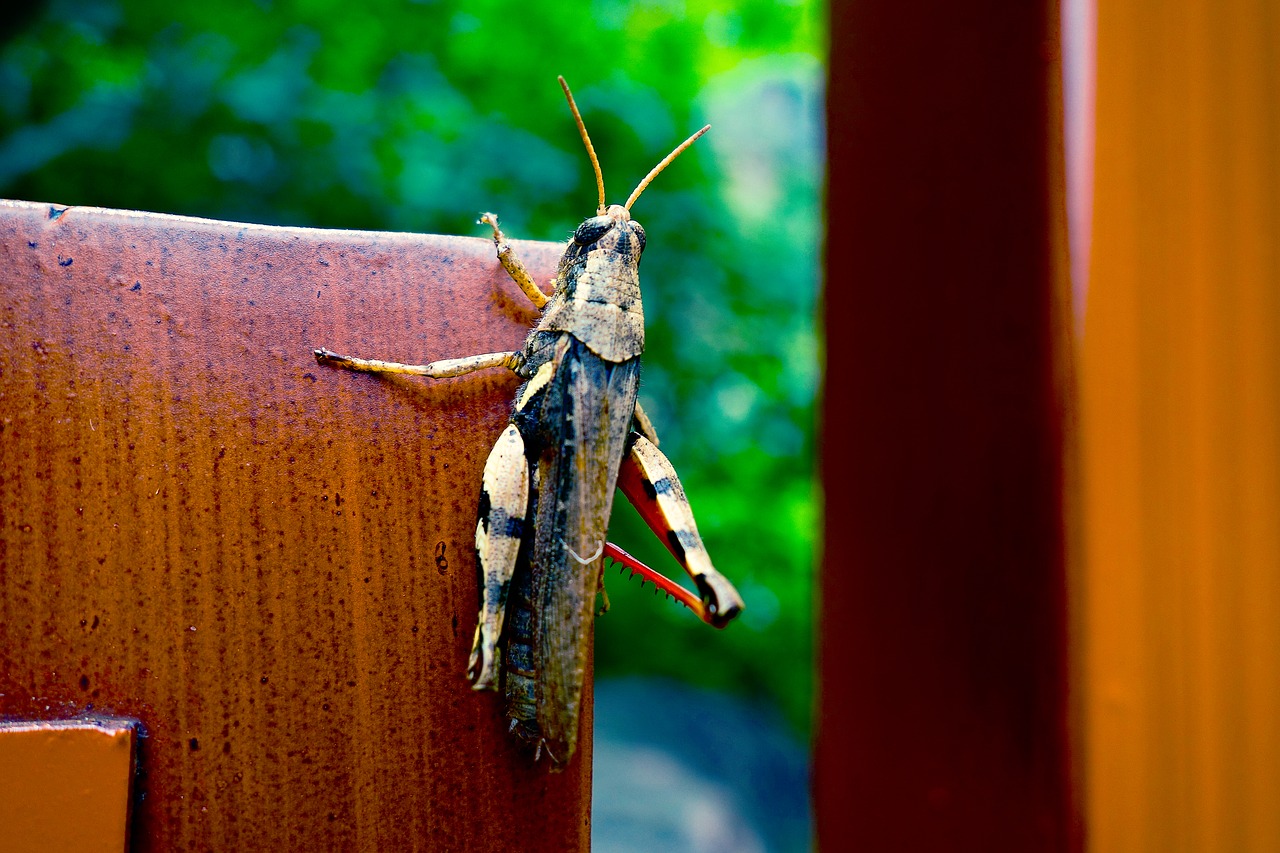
(435, 370)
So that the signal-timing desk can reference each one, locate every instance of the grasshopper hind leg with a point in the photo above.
(649, 481)
(504, 503)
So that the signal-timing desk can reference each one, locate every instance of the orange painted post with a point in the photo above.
(267, 562)
(1181, 431)
(944, 716)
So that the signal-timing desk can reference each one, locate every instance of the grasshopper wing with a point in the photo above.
(585, 418)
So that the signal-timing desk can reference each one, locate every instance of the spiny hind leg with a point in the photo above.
(444, 369)
(504, 503)
(512, 264)
(649, 481)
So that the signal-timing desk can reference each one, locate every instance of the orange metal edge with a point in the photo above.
(53, 764)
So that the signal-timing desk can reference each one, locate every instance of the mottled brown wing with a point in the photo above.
(584, 420)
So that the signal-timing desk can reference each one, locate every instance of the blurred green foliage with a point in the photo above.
(415, 116)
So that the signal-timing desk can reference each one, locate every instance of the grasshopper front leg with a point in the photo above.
(512, 264)
(649, 481)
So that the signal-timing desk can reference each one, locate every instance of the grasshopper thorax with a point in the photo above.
(597, 295)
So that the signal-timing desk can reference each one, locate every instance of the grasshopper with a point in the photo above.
(576, 431)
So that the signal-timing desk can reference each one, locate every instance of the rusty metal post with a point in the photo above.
(267, 562)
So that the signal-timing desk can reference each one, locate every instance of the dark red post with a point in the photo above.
(944, 709)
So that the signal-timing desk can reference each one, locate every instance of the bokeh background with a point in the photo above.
(415, 116)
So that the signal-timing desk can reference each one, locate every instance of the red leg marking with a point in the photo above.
(666, 585)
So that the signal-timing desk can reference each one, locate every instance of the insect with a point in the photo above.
(576, 431)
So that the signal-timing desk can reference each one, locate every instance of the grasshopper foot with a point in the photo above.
(325, 356)
(720, 600)
(491, 219)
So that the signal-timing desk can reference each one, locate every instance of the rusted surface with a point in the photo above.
(269, 563)
(944, 711)
(66, 785)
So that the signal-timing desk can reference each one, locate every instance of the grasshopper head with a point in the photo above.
(614, 230)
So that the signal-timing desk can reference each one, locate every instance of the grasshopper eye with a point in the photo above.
(592, 230)
(639, 233)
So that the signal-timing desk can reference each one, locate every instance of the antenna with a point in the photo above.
(591, 151)
(635, 194)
